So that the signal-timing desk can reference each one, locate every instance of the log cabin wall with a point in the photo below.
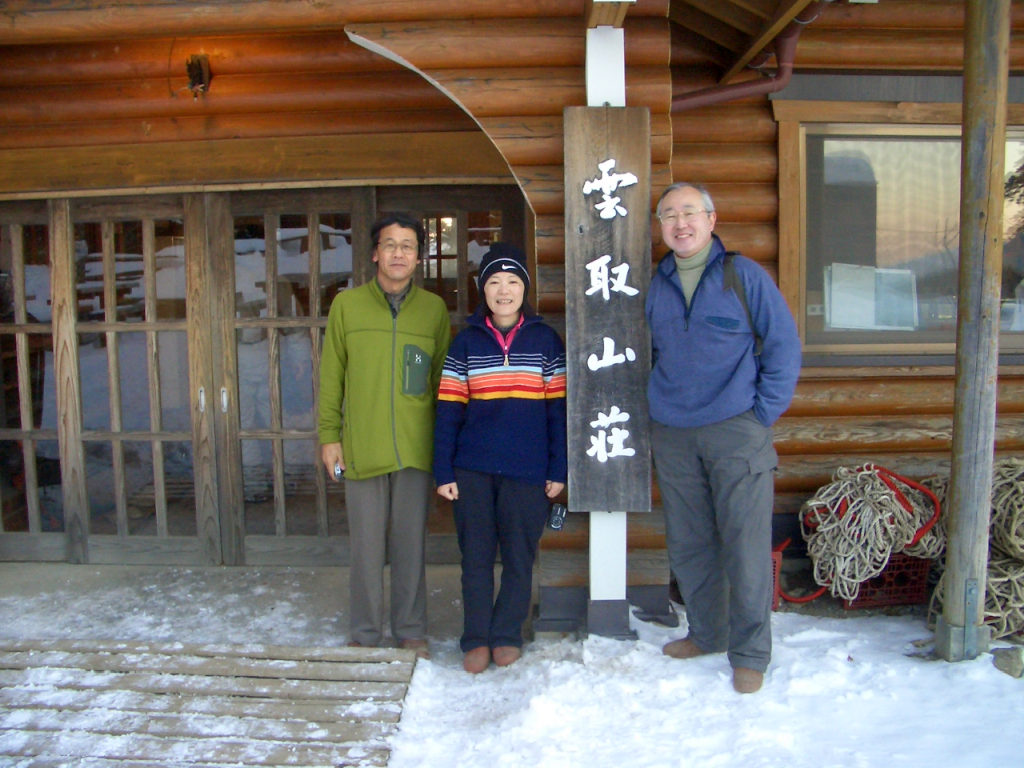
(898, 415)
(95, 96)
(515, 76)
(97, 101)
(119, 114)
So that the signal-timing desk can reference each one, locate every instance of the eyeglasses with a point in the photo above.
(389, 247)
(688, 216)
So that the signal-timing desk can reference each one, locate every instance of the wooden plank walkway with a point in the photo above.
(140, 705)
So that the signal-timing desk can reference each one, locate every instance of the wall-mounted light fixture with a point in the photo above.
(198, 68)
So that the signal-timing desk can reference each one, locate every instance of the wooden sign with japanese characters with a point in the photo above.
(607, 273)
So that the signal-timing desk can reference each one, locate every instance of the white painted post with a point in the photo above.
(606, 86)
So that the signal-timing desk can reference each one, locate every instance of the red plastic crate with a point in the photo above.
(903, 581)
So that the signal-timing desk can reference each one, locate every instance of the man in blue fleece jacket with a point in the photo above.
(721, 376)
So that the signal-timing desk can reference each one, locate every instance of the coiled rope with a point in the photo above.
(853, 526)
(1004, 592)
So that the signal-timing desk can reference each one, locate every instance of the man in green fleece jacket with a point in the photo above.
(383, 354)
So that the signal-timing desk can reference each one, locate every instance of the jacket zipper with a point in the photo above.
(394, 349)
(688, 307)
(503, 342)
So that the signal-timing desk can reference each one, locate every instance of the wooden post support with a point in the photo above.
(69, 390)
(607, 263)
(960, 633)
(609, 457)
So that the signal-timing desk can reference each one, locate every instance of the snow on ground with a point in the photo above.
(840, 693)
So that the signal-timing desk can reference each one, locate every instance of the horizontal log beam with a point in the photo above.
(545, 91)
(757, 241)
(544, 187)
(539, 139)
(113, 61)
(906, 14)
(934, 113)
(646, 531)
(923, 50)
(717, 163)
(28, 21)
(220, 127)
(895, 372)
(873, 434)
(229, 95)
(527, 91)
(511, 42)
(569, 568)
(744, 203)
(808, 473)
(380, 157)
(730, 123)
(890, 397)
(550, 235)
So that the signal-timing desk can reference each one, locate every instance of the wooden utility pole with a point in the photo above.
(960, 633)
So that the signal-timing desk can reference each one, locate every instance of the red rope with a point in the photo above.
(790, 598)
(890, 478)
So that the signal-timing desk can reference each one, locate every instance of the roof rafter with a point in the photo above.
(784, 14)
(708, 26)
(762, 8)
(732, 14)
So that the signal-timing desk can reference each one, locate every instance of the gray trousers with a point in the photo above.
(717, 491)
(387, 521)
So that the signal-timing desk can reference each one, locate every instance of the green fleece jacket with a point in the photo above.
(379, 377)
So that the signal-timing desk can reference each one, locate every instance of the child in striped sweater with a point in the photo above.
(500, 452)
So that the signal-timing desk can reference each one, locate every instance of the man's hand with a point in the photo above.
(552, 489)
(331, 455)
(449, 490)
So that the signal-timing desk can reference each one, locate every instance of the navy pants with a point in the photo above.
(496, 513)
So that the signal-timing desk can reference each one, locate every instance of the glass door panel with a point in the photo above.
(284, 281)
(133, 366)
(31, 505)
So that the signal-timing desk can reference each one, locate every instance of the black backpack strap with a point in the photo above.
(731, 281)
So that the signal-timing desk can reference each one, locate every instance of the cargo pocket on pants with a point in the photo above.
(765, 460)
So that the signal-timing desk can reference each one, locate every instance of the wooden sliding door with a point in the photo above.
(161, 364)
(105, 455)
(32, 523)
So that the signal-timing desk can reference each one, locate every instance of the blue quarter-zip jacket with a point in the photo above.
(704, 367)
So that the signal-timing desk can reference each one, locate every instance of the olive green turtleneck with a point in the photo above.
(690, 270)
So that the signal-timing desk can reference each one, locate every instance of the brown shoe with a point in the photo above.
(683, 649)
(477, 660)
(356, 644)
(747, 680)
(418, 645)
(505, 655)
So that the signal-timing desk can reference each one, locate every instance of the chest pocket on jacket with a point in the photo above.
(728, 323)
(415, 371)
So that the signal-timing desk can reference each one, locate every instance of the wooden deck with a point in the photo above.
(107, 704)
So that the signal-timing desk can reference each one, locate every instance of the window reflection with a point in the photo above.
(441, 263)
(335, 257)
(170, 270)
(883, 239)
